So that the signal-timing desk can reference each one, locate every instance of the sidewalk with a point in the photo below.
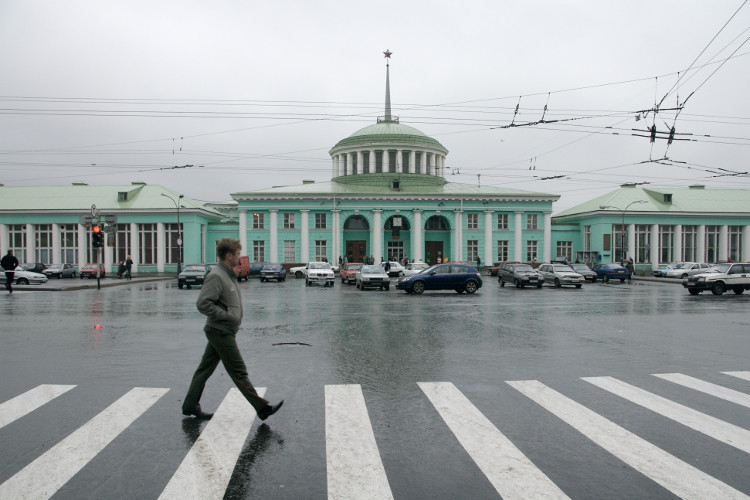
(60, 285)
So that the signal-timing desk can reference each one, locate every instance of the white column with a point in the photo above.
(81, 246)
(242, 236)
(377, 236)
(305, 236)
(487, 259)
(161, 247)
(700, 245)
(631, 241)
(547, 245)
(723, 252)
(56, 244)
(336, 236)
(458, 237)
(348, 164)
(4, 238)
(518, 238)
(745, 244)
(676, 244)
(399, 161)
(386, 161)
(360, 162)
(30, 243)
(371, 166)
(135, 247)
(412, 159)
(654, 254)
(416, 249)
(107, 251)
(274, 236)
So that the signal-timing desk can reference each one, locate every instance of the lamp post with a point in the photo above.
(179, 230)
(622, 211)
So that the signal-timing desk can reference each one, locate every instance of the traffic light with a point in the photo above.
(97, 237)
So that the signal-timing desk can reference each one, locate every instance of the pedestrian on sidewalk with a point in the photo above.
(128, 267)
(220, 301)
(9, 263)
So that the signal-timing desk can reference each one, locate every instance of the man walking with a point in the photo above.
(9, 263)
(128, 267)
(220, 301)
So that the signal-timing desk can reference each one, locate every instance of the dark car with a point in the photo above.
(273, 271)
(520, 275)
(193, 275)
(34, 267)
(60, 271)
(89, 271)
(453, 276)
(611, 271)
(584, 271)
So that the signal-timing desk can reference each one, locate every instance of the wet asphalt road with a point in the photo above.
(149, 335)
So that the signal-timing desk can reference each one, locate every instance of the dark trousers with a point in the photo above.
(221, 347)
(9, 277)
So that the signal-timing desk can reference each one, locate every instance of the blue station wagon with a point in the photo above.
(458, 277)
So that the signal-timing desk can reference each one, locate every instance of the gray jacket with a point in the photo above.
(220, 300)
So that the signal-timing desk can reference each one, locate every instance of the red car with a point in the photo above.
(89, 271)
(349, 271)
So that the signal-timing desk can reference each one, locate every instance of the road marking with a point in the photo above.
(708, 425)
(25, 403)
(731, 395)
(680, 478)
(511, 473)
(48, 473)
(353, 462)
(743, 374)
(207, 468)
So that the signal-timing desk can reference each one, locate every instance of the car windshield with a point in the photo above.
(271, 266)
(353, 267)
(371, 270)
(561, 268)
(679, 265)
(320, 265)
(195, 267)
(522, 267)
(719, 268)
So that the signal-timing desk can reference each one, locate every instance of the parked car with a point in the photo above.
(89, 271)
(662, 270)
(298, 271)
(413, 268)
(34, 267)
(458, 277)
(372, 277)
(719, 278)
(242, 269)
(584, 271)
(193, 275)
(606, 272)
(561, 274)
(520, 275)
(24, 277)
(319, 272)
(687, 269)
(395, 269)
(273, 271)
(60, 271)
(348, 272)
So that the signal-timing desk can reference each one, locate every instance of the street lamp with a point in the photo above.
(179, 230)
(623, 210)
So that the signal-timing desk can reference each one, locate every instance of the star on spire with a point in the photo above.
(387, 54)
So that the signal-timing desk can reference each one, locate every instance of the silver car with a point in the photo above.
(60, 271)
(372, 277)
(684, 269)
(25, 277)
(560, 274)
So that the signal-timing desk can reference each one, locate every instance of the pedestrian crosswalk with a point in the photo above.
(354, 463)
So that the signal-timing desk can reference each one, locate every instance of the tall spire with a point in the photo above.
(387, 85)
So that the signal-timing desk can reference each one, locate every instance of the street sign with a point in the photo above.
(86, 219)
(109, 218)
(110, 230)
(94, 211)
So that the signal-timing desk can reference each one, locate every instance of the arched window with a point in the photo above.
(389, 224)
(436, 223)
(356, 223)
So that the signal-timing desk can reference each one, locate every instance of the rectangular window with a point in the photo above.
(532, 250)
(365, 162)
(258, 221)
(472, 250)
(472, 221)
(502, 250)
(122, 242)
(378, 162)
(288, 221)
(171, 235)
(147, 243)
(320, 221)
(666, 243)
(321, 250)
(735, 243)
(259, 251)
(418, 162)
(532, 222)
(712, 244)
(17, 241)
(43, 246)
(392, 160)
(642, 244)
(689, 243)
(621, 241)
(69, 244)
(502, 222)
(586, 238)
(290, 253)
(395, 250)
(565, 249)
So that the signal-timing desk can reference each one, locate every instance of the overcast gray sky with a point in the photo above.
(254, 94)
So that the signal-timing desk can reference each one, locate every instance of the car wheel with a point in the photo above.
(502, 282)
(81, 276)
(517, 283)
(362, 287)
(179, 285)
(539, 285)
(718, 288)
(622, 280)
(307, 283)
(605, 278)
(22, 281)
(578, 285)
(738, 290)
(471, 287)
(557, 283)
(418, 287)
(59, 276)
(298, 274)
(694, 291)
(684, 276)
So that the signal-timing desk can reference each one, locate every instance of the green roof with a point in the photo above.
(80, 197)
(389, 133)
(695, 199)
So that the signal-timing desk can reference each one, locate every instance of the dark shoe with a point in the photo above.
(197, 413)
(269, 410)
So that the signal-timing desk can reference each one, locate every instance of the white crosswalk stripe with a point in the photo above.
(713, 389)
(511, 473)
(745, 375)
(672, 473)
(206, 470)
(29, 401)
(354, 467)
(48, 473)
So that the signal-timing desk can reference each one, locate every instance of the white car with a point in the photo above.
(719, 278)
(372, 277)
(299, 271)
(23, 277)
(396, 269)
(413, 268)
(561, 274)
(319, 272)
(687, 269)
